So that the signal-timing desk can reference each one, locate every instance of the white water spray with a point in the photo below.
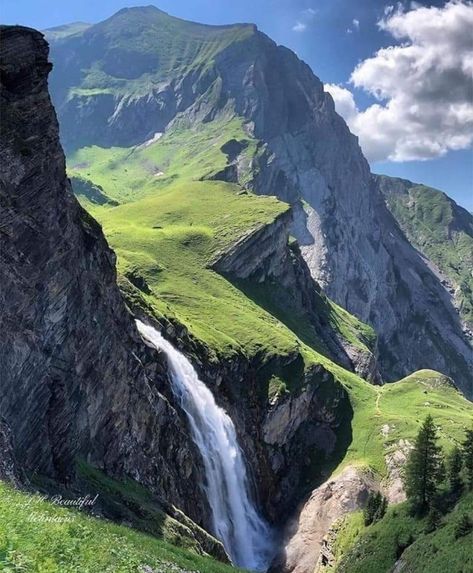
(246, 537)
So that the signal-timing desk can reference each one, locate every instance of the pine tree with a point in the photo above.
(468, 457)
(423, 468)
(454, 467)
(382, 503)
(375, 508)
(370, 509)
(433, 520)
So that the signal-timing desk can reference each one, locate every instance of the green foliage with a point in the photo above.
(454, 467)
(423, 468)
(399, 535)
(468, 457)
(440, 229)
(38, 536)
(375, 508)
(463, 526)
(433, 520)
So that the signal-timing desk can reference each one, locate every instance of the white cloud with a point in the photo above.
(309, 12)
(423, 85)
(299, 27)
(355, 24)
(305, 17)
(344, 101)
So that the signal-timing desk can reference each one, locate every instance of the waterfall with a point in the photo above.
(247, 538)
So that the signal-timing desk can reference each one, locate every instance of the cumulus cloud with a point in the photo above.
(423, 85)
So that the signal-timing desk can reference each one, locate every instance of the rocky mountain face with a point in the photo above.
(77, 381)
(267, 256)
(352, 244)
(441, 230)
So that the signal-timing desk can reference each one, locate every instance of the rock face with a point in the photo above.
(304, 545)
(352, 244)
(9, 469)
(77, 381)
(265, 256)
(441, 230)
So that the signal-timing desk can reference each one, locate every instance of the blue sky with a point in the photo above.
(332, 36)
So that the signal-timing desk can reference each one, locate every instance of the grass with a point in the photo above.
(375, 549)
(37, 536)
(440, 229)
(384, 415)
(167, 230)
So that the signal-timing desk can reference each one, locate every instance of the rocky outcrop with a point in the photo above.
(304, 548)
(77, 381)
(267, 255)
(441, 230)
(393, 486)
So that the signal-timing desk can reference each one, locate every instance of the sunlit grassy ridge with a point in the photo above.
(38, 536)
(138, 48)
(174, 222)
(384, 415)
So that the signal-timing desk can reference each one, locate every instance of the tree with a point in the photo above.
(454, 468)
(463, 526)
(433, 520)
(423, 468)
(375, 508)
(468, 457)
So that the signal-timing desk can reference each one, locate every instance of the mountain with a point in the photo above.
(290, 143)
(180, 184)
(441, 230)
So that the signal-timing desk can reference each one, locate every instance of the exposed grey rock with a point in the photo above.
(76, 379)
(9, 468)
(264, 255)
(306, 533)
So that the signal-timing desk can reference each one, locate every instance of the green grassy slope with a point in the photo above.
(38, 536)
(375, 549)
(172, 222)
(439, 228)
(133, 51)
(384, 415)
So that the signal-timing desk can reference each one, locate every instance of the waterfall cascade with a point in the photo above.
(247, 538)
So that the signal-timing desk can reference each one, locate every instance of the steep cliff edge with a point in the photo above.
(77, 381)
(269, 267)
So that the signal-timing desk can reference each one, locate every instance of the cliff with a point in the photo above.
(77, 381)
